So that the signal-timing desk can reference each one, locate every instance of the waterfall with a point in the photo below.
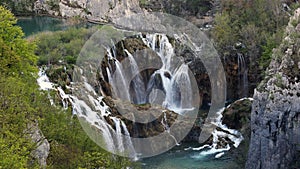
(182, 79)
(81, 109)
(138, 84)
(118, 81)
(169, 86)
(175, 78)
(222, 134)
(94, 110)
(43, 80)
(164, 122)
(118, 134)
(242, 75)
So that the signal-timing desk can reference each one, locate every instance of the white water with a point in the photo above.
(43, 81)
(138, 84)
(233, 135)
(117, 80)
(93, 110)
(175, 77)
(243, 75)
(177, 88)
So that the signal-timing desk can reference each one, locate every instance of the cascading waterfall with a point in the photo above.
(118, 134)
(175, 77)
(175, 84)
(181, 78)
(138, 84)
(93, 110)
(243, 75)
(117, 81)
(223, 133)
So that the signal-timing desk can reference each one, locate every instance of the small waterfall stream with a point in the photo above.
(117, 81)
(138, 84)
(243, 75)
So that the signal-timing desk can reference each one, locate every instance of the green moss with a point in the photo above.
(143, 2)
(54, 4)
(279, 81)
(271, 96)
(294, 22)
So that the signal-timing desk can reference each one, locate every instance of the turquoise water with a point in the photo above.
(178, 158)
(35, 24)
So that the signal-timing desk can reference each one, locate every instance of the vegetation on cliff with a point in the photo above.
(252, 28)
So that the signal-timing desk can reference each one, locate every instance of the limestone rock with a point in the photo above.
(43, 147)
(93, 10)
(275, 116)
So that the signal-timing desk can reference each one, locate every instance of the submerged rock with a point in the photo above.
(275, 116)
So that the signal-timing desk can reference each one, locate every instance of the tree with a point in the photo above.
(16, 54)
(17, 94)
(253, 24)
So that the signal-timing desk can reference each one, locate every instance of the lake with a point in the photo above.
(35, 24)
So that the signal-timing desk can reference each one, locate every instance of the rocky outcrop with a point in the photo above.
(43, 147)
(275, 116)
(199, 12)
(93, 10)
(238, 116)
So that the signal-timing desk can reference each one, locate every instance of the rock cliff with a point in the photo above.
(92, 10)
(275, 116)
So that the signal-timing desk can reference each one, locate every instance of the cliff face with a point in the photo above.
(93, 10)
(198, 12)
(275, 116)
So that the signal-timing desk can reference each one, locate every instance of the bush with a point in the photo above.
(61, 46)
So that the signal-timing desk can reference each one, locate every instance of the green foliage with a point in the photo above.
(23, 7)
(16, 112)
(279, 81)
(257, 24)
(197, 6)
(71, 147)
(22, 105)
(54, 4)
(223, 32)
(65, 46)
(18, 94)
(261, 15)
(16, 54)
(265, 58)
(143, 2)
